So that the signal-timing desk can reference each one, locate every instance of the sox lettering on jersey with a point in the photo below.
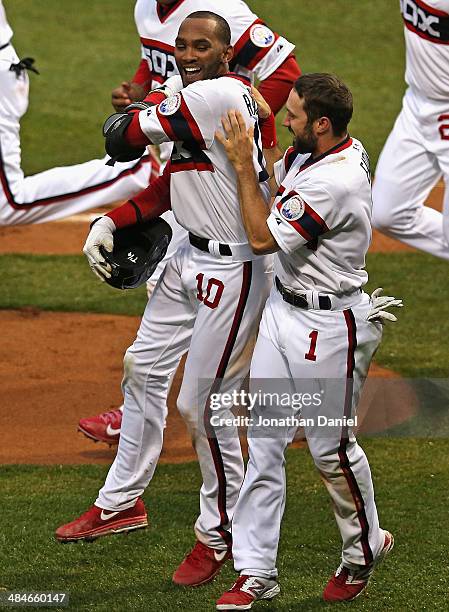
(425, 21)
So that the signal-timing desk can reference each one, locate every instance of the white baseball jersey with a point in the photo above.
(5, 28)
(257, 49)
(315, 200)
(427, 46)
(203, 186)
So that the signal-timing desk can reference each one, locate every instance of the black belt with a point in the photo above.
(300, 301)
(203, 245)
(4, 46)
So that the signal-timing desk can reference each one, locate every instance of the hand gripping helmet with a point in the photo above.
(137, 251)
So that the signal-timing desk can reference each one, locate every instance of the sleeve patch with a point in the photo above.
(301, 216)
(169, 106)
(293, 209)
(261, 35)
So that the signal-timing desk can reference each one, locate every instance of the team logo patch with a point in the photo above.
(293, 208)
(261, 36)
(170, 105)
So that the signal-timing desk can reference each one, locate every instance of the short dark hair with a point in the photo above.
(222, 30)
(325, 96)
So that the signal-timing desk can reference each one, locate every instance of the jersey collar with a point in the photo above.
(340, 146)
(164, 12)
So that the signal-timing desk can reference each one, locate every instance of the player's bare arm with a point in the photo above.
(238, 144)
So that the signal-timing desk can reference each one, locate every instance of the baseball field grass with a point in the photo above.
(133, 572)
(84, 49)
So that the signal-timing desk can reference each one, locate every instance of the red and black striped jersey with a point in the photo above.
(321, 219)
(203, 185)
(258, 49)
(426, 28)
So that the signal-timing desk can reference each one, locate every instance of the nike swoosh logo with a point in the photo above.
(219, 556)
(109, 515)
(111, 431)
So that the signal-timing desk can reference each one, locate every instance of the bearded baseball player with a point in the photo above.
(416, 153)
(259, 53)
(319, 330)
(58, 192)
(208, 300)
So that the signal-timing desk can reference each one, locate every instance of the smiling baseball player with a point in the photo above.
(416, 154)
(58, 192)
(259, 53)
(318, 332)
(208, 300)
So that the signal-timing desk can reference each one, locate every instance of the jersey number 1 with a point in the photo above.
(214, 290)
(313, 338)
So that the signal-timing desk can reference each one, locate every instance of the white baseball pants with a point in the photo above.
(414, 158)
(210, 307)
(316, 350)
(58, 192)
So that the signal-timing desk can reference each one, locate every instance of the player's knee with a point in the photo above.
(326, 460)
(129, 366)
(187, 409)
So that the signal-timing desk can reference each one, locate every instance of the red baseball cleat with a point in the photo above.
(246, 591)
(347, 584)
(97, 522)
(104, 427)
(201, 565)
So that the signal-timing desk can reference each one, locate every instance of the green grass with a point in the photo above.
(412, 347)
(62, 283)
(86, 48)
(133, 572)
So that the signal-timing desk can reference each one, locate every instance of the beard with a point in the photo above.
(305, 142)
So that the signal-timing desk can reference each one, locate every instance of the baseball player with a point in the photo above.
(416, 153)
(259, 52)
(208, 300)
(318, 333)
(58, 192)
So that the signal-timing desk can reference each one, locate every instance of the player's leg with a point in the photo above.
(332, 351)
(163, 337)
(256, 534)
(406, 172)
(58, 192)
(230, 297)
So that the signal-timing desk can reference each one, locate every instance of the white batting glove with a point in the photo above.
(379, 306)
(101, 234)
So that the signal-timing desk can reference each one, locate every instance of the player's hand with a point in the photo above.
(236, 140)
(101, 234)
(379, 307)
(126, 94)
(263, 108)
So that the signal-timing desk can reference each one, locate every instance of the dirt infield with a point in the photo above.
(53, 373)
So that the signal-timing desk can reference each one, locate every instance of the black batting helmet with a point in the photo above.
(137, 251)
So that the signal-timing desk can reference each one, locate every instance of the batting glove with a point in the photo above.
(379, 306)
(100, 235)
